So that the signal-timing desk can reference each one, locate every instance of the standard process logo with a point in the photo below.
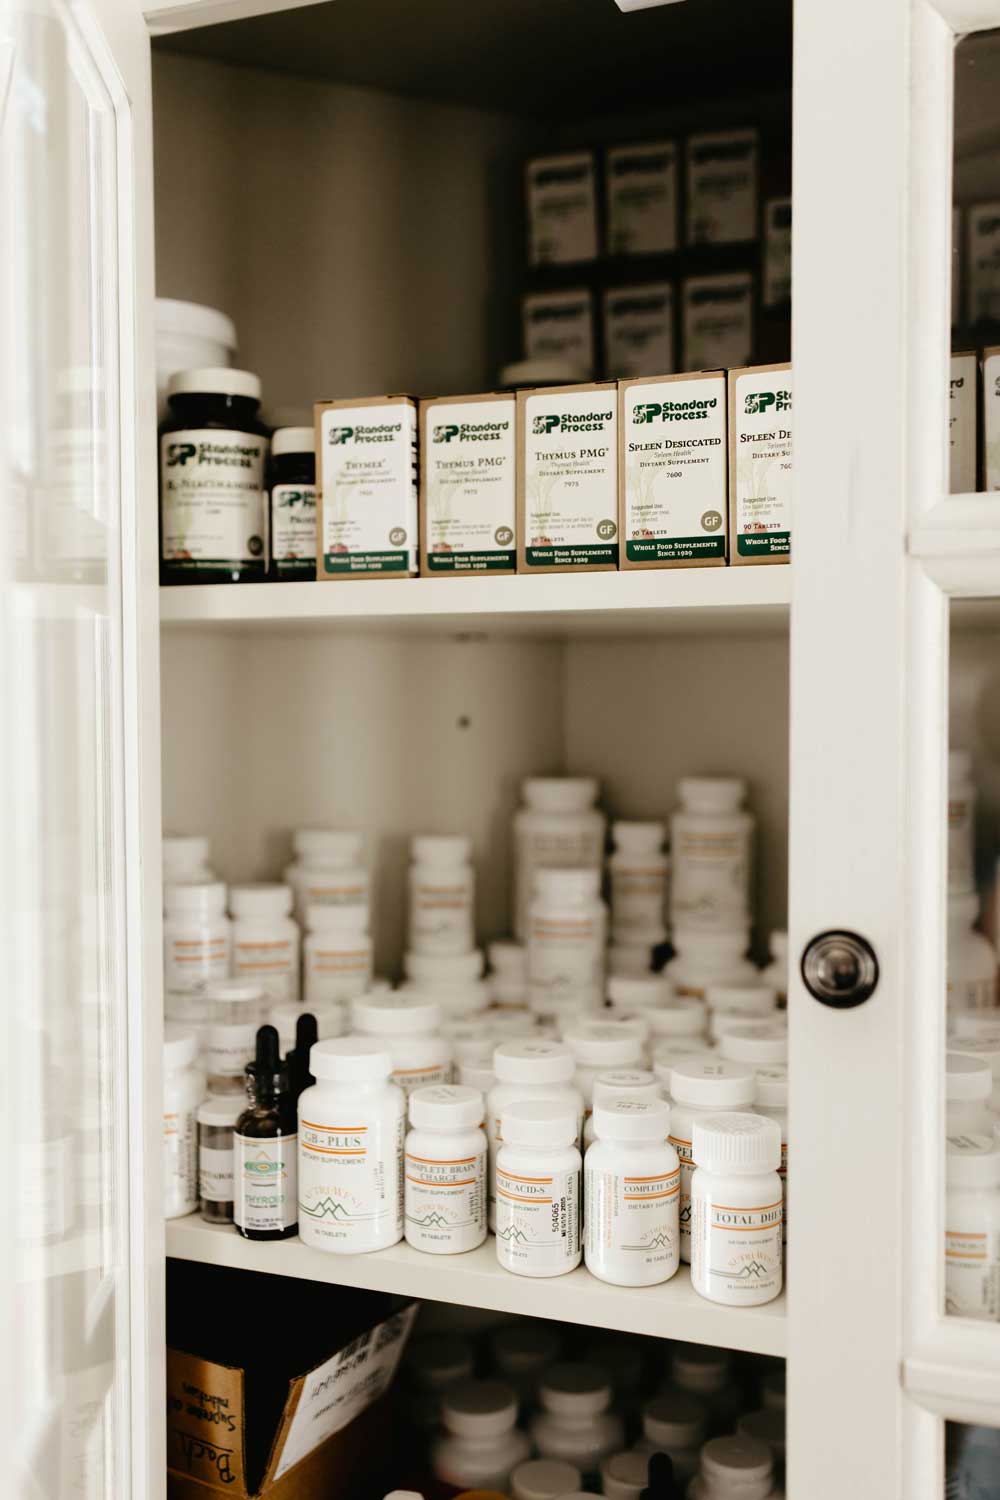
(674, 411)
(371, 432)
(759, 403)
(588, 421)
(470, 432)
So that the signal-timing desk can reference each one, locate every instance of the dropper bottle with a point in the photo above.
(297, 1060)
(265, 1147)
(662, 1484)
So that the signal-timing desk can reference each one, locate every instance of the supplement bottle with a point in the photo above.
(624, 1476)
(544, 1479)
(508, 973)
(631, 1083)
(454, 980)
(987, 1049)
(968, 1088)
(734, 1468)
(233, 1009)
(706, 958)
(567, 931)
(758, 1046)
(197, 937)
(638, 870)
(327, 871)
(183, 1089)
(972, 1228)
(685, 1018)
(432, 1365)
(336, 954)
(265, 1203)
(406, 1026)
(712, 843)
(961, 823)
(477, 1074)
(597, 1046)
(185, 860)
(775, 973)
(766, 1427)
(675, 1424)
(772, 1102)
(265, 939)
(331, 1020)
(629, 993)
(971, 961)
(482, 1442)
(217, 1118)
(674, 1050)
(631, 1194)
(538, 1190)
(702, 1085)
(442, 895)
(529, 1069)
(736, 1209)
(705, 1373)
(521, 1352)
(292, 504)
(213, 453)
(445, 1170)
(351, 1128)
(558, 827)
(576, 1423)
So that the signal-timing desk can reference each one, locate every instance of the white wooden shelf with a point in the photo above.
(673, 1310)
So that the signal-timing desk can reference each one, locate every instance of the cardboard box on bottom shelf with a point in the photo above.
(366, 478)
(276, 1388)
(672, 479)
(567, 479)
(467, 491)
(760, 464)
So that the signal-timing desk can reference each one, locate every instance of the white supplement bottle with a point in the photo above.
(631, 1083)
(766, 1427)
(407, 1026)
(772, 1101)
(523, 1351)
(538, 1189)
(775, 973)
(351, 1128)
(711, 839)
(672, 1051)
(233, 1009)
(328, 870)
(482, 1442)
(627, 994)
(631, 1194)
(186, 860)
(971, 960)
(544, 1479)
(987, 1049)
(734, 1468)
(685, 1018)
(676, 1424)
(445, 1170)
(759, 1046)
(265, 939)
(336, 954)
(707, 1374)
(705, 958)
(974, 1026)
(217, 1116)
(624, 1476)
(638, 870)
(961, 823)
(599, 1045)
(197, 937)
(442, 895)
(702, 1085)
(972, 1228)
(968, 1088)
(559, 826)
(576, 1422)
(528, 1069)
(567, 931)
(183, 1090)
(508, 973)
(431, 1366)
(736, 1209)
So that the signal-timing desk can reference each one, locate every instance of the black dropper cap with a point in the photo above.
(662, 1484)
(266, 1074)
(297, 1061)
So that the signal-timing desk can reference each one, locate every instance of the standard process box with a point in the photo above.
(468, 492)
(760, 464)
(289, 1416)
(639, 330)
(567, 479)
(366, 478)
(717, 319)
(642, 198)
(672, 479)
(962, 424)
(559, 325)
(991, 418)
(561, 207)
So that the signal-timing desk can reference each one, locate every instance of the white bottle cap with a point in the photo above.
(508, 958)
(966, 1078)
(600, 1044)
(233, 991)
(293, 440)
(726, 1461)
(194, 320)
(441, 848)
(180, 1047)
(477, 1074)
(986, 1048)
(624, 1476)
(731, 943)
(636, 1083)
(512, 1021)
(260, 900)
(736, 1142)
(524, 1348)
(560, 794)
(438, 1360)
(764, 1427)
(539, 1122)
(721, 1021)
(640, 991)
(639, 838)
(214, 382)
(959, 765)
(972, 1161)
(458, 1001)
(575, 1389)
(756, 998)
(221, 1109)
(712, 794)
(327, 846)
(684, 1016)
(395, 1014)
(777, 945)
(543, 1479)
(479, 1409)
(350, 1059)
(629, 1119)
(180, 849)
(203, 899)
(331, 1020)
(675, 1049)
(469, 1038)
(709, 1080)
(444, 968)
(772, 1088)
(351, 917)
(761, 1048)
(701, 1368)
(531, 1061)
(676, 1420)
(572, 887)
(446, 1106)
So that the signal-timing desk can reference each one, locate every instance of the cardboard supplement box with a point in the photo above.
(467, 485)
(639, 330)
(559, 325)
(962, 424)
(567, 479)
(717, 317)
(672, 471)
(991, 419)
(561, 204)
(641, 186)
(760, 464)
(366, 477)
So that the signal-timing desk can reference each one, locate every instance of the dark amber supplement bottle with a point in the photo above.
(265, 1149)
(293, 504)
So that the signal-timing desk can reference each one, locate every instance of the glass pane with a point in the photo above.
(972, 1462)
(66, 1288)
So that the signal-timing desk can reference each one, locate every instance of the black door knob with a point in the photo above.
(840, 969)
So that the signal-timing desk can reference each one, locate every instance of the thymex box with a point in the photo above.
(991, 418)
(467, 485)
(567, 478)
(672, 471)
(962, 424)
(366, 476)
(760, 464)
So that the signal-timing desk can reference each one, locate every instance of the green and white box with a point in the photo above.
(562, 219)
(639, 330)
(991, 419)
(567, 478)
(366, 470)
(467, 485)
(760, 464)
(717, 321)
(672, 482)
(962, 424)
(722, 187)
(641, 185)
(559, 325)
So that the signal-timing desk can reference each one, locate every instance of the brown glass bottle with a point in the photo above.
(265, 1149)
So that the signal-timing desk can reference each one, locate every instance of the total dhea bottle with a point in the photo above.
(700, 1085)
(538, 1188)
(632, 1188)
(972, 1228)
(265, 939)
(527, 1069)
(445, 1170)
(213, 453)
(712, 846)
(559, 826)
(442, 895)
(351, 1129)
(264, 1149)
(736, 1209)
(567, 934)
(638, 869)
(292, 504)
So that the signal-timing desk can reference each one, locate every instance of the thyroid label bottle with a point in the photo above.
(736, 1210)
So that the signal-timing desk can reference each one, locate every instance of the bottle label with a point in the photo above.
(191, 958)
(538, 1220)
(565, 957)
(336, 973)
(638, 902)
(273, 964)
(350, 1182)
(686, 1159)
(368, 464)
(212, 497)
(441, 917)
(468, 451)
(735, 1252)
(330, 890)
(180, 1160)
(573, 849)
(634, 1218)
(409, 1079)
(972, 1273)
(215, 1174)
(711, 878)
(293, 523)
(445, 1202)
(264, 1172)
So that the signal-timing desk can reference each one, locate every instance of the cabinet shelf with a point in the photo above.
(673, 1310)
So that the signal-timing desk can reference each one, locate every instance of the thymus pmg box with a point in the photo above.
(991, 419)
(567, 478)
(760, 464)
(467, 485)
(366, 474)
(672, 471)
